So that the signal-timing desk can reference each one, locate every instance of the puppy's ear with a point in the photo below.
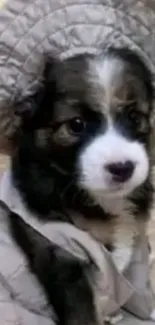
(31, 107)
(137, 69)
(26, 107)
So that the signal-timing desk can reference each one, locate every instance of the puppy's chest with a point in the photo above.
(120, 226)
(117, 233)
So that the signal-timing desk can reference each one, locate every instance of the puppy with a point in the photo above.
(83, 156)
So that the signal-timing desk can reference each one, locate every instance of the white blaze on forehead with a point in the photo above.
(108, 72)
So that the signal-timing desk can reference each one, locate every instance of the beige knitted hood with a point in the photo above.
(64, 27)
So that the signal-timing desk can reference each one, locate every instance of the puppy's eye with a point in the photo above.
(76, 126)
(68, 132)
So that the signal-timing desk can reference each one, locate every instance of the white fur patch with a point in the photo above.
(124, 230)
(105, 149)
(109, 72)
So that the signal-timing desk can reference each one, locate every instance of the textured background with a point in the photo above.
(29, 28)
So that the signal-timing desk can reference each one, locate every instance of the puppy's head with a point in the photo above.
(90, 121)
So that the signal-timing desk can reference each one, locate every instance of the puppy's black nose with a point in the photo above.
(121, 172)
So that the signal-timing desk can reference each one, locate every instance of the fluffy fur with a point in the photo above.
(83, 156)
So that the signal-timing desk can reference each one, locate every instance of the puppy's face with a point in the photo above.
(92, 121)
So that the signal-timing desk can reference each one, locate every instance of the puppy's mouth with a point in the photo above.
(115, 190)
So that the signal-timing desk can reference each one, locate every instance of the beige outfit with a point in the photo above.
(22, 298)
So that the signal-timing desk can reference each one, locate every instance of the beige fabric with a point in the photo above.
(21, 298)
(79, 243)
(138, 273)
(64, 27)
(112, 289)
